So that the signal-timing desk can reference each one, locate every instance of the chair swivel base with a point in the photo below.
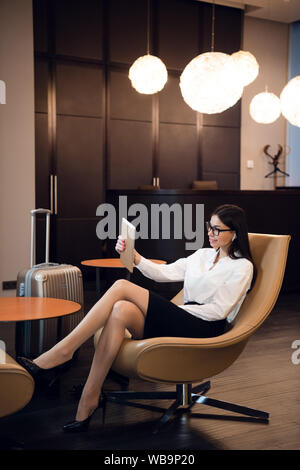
(185, 398)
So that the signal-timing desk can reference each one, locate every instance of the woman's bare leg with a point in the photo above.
(94, 319)
(124, 315)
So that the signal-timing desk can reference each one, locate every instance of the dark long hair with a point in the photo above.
(235, 218)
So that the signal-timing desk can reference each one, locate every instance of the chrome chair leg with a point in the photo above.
(223, 405)
(203, 387)
(186, 398)
(170, 413)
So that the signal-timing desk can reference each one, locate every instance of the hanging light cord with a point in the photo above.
(148, 27)
(213, 29)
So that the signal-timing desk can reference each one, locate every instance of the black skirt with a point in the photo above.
(164, 318)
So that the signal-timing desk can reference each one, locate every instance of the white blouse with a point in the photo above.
(221, 289)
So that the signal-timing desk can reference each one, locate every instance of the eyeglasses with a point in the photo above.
(216, 231)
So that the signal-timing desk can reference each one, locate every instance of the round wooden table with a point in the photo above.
(110, 263)
(26, 309)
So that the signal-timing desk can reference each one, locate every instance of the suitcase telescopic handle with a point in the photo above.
(33, 214)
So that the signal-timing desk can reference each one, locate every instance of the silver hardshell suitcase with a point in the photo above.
(61, 281)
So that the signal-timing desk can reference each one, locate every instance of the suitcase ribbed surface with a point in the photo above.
(62, 282)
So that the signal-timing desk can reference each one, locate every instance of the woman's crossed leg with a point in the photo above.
(123, 306)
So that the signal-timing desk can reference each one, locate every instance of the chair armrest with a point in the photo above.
(16, 386)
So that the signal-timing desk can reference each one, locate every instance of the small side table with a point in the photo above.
(22, 309)
(110, 263)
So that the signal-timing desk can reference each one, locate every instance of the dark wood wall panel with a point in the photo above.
(41, 73)
(178, 155)
(131, 154)
(78, 27)
(178, 32)
(220, 149)
(127, 30)
(40, 25)
(172, 107)
(42, 160)
(77, 241)
(79, 165)
(125, 102)
(79, 89)
(229, 118)
(224, 180)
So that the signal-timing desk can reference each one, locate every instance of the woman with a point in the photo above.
(216, 281)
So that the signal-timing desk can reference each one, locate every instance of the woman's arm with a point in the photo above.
(157, 272)
(173, 272)
(136, 257)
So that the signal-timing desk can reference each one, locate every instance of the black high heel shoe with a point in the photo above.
(81, 426)
(34, 370)
(38, 373)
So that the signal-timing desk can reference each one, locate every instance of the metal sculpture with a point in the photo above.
(275, 163)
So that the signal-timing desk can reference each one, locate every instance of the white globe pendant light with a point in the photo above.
(290, 101)
(148, 74)
(246, 66)
(265, 108)
(209, 84)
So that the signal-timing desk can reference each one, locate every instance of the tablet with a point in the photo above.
(128, 234)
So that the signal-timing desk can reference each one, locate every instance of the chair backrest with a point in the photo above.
(197, 184)
(269, 253)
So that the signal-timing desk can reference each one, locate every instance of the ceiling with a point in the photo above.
(285, 11)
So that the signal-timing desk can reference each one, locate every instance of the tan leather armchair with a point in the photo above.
(16, 386)
(184, 361)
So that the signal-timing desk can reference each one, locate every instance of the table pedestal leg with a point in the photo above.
(59, 330)
(98, 282)
(41, 335)
(23, 338)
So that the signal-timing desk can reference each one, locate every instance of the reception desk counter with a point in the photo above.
(274, 212)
